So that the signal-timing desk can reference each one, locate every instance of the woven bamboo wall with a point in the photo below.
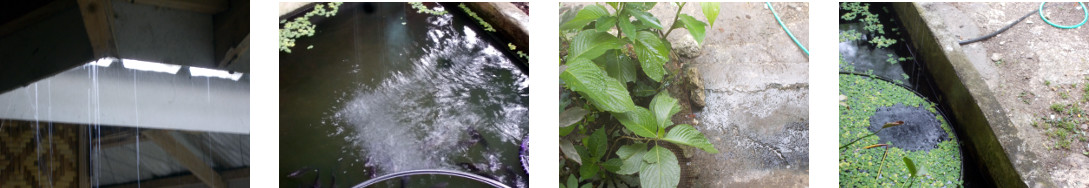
(32, 157)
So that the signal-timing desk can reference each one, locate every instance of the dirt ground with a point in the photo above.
(1016, 65)
(757, 90)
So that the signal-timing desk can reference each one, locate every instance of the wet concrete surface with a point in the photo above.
(1028, 67)
(757, 87)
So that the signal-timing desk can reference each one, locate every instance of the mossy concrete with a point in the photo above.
(508, 20)
(990, 136)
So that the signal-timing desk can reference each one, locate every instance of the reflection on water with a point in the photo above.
(409, 91)
(865, 57)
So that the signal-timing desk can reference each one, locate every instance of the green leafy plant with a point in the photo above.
(301, 26)
(603, 56)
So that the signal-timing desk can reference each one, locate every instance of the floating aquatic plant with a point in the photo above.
(863, 167)
(301, 26)
(487, 27)
(421, 8)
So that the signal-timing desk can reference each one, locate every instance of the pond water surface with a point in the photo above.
(386, 89)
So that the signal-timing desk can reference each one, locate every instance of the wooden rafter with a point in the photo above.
(233, 53)
(202, 6)
(186, 158)
(96, 18)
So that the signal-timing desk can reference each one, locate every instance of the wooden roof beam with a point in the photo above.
(186, 158)
(202, 6)
(96, 18)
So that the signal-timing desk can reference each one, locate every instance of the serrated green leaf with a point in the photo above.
(664, 107)
(710, 10)
(643, 16)
(590, 44)
(587, 186)
(633, 158)
(564, 131)
(588, 170)
(606, 93)
(572, 182)
(612, 165)
(694, 27)
(660, 170)
(685, 134)
(619, 66)
(596, 144)
(585, 16)
(626, 26)
(572, 115)
(639, 121)
(604, 23)
(615, 5)
(569, 151)
(652, 53)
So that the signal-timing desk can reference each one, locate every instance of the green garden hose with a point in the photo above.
(785, 29)
(1085, 18)
(1041, 12)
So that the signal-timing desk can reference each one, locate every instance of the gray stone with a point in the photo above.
(686, 46)
(695, 85)
(699, 99)
(996, 57)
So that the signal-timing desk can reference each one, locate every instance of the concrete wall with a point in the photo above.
(977, 113)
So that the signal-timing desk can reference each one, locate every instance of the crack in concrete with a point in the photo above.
(772, 86)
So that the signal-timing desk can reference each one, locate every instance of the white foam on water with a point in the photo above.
(420, 118)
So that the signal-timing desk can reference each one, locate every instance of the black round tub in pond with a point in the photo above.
(923, 135)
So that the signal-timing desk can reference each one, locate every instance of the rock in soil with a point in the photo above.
(695, 85)
(687, 47)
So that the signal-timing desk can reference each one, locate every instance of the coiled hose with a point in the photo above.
(1041, 12)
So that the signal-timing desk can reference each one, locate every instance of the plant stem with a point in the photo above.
(882, 167)
(675, 17)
